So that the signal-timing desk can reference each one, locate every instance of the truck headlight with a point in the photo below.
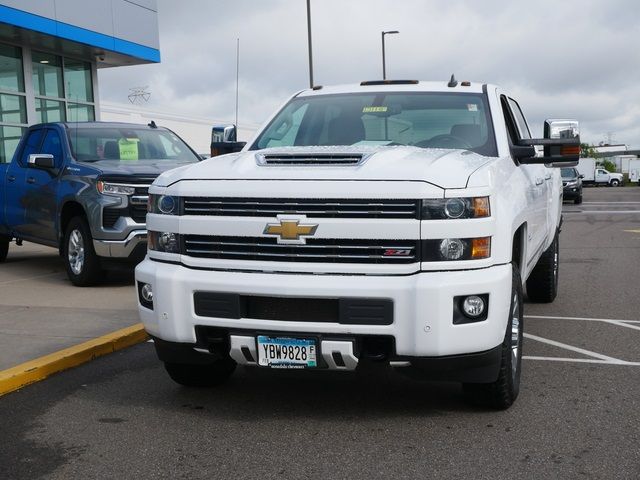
(114, 188)
(164, 204)
(450, 249)
(167, 242)
(454, 208)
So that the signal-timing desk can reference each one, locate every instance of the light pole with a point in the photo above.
(309, 41)
(384, 67)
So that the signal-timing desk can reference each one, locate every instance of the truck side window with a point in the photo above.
(509, 120)
(53, 146)
(520, 120)
(31, 145)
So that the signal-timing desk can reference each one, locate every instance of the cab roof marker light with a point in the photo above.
(388, 82)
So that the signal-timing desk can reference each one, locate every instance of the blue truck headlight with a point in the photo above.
(107, 188)
(166, 242)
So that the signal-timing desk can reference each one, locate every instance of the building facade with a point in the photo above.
(50, 51)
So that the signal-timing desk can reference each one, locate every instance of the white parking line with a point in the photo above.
(608, 212)
(581, 360)
(586, 319)
(609, 203)
(571, 348)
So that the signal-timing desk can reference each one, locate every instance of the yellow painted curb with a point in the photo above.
(40, 368)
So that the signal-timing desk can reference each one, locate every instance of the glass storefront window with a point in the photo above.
(77, 77)
(47, 75)
(77, 112)
(9, 139)
(11, 77)
(49, 111)
(12, 109)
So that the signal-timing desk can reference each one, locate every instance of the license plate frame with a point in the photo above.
(266, 360)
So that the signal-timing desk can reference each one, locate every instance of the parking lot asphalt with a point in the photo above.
(577, 415)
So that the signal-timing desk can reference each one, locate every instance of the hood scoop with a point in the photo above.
(310, 159)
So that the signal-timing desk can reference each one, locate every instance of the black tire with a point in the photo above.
(80, 259)
(542, 284)
(501, 394)
(615, 182)
(4, 249)
(201, 376)
(578, 200)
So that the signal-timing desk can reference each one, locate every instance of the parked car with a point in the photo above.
(571, 184)
(82, 188)
(634, 171)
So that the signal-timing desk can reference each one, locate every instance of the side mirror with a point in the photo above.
(223, 140)
(561, 144)
(580, 176)
(42, 160)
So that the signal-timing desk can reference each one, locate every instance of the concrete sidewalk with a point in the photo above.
(41, 312)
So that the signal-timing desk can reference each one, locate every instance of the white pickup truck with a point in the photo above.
(390, 222)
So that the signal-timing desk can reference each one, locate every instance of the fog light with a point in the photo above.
(145, 295)
(147, 292)
(473, 306)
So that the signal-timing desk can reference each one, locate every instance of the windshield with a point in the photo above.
(428, 120)
(568, 173)
(127, 144)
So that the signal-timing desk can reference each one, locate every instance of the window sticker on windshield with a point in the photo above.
(374, 109)
(128, 148)
(472, 107)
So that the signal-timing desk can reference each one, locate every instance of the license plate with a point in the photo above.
(284, 352)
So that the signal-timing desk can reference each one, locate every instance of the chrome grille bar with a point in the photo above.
(316, 250)
(312, 208)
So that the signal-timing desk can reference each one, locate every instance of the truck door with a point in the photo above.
(537, 180)
(602, 176)
(40, 192)
(16, 180)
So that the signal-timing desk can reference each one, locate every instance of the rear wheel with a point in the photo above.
(208, 375)
(542, 285)
(81, 261)
(4, 249)
(503, 392)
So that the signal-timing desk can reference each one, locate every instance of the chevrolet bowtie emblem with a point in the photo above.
(290, 230)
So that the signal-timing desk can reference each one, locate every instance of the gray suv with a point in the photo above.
(571, 184)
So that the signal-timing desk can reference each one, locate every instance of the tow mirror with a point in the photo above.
(561, 144)
(223, 140)
(42, 160)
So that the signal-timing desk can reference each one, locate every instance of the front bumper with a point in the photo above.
(423, 306)
(133, 247)
(569, 193)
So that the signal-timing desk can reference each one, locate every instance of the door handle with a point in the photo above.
(547, 177)
(31, 180)
(11, 178)
(539, 181)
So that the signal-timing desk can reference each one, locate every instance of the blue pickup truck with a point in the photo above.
(83, 188)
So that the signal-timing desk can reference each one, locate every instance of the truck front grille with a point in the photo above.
(315, 250)
(332, 208)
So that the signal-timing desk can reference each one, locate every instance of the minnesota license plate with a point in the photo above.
(284, 352)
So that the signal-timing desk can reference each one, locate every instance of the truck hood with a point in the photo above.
(439, 167)
(152, 168)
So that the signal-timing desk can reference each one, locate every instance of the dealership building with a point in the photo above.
(50, 51)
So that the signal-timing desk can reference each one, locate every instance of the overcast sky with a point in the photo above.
(573, 58)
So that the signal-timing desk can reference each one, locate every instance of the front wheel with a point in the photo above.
(578, 200)
(615, 182)
(201, 376)
(81, 261)
(501, 394)
(542, 284)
